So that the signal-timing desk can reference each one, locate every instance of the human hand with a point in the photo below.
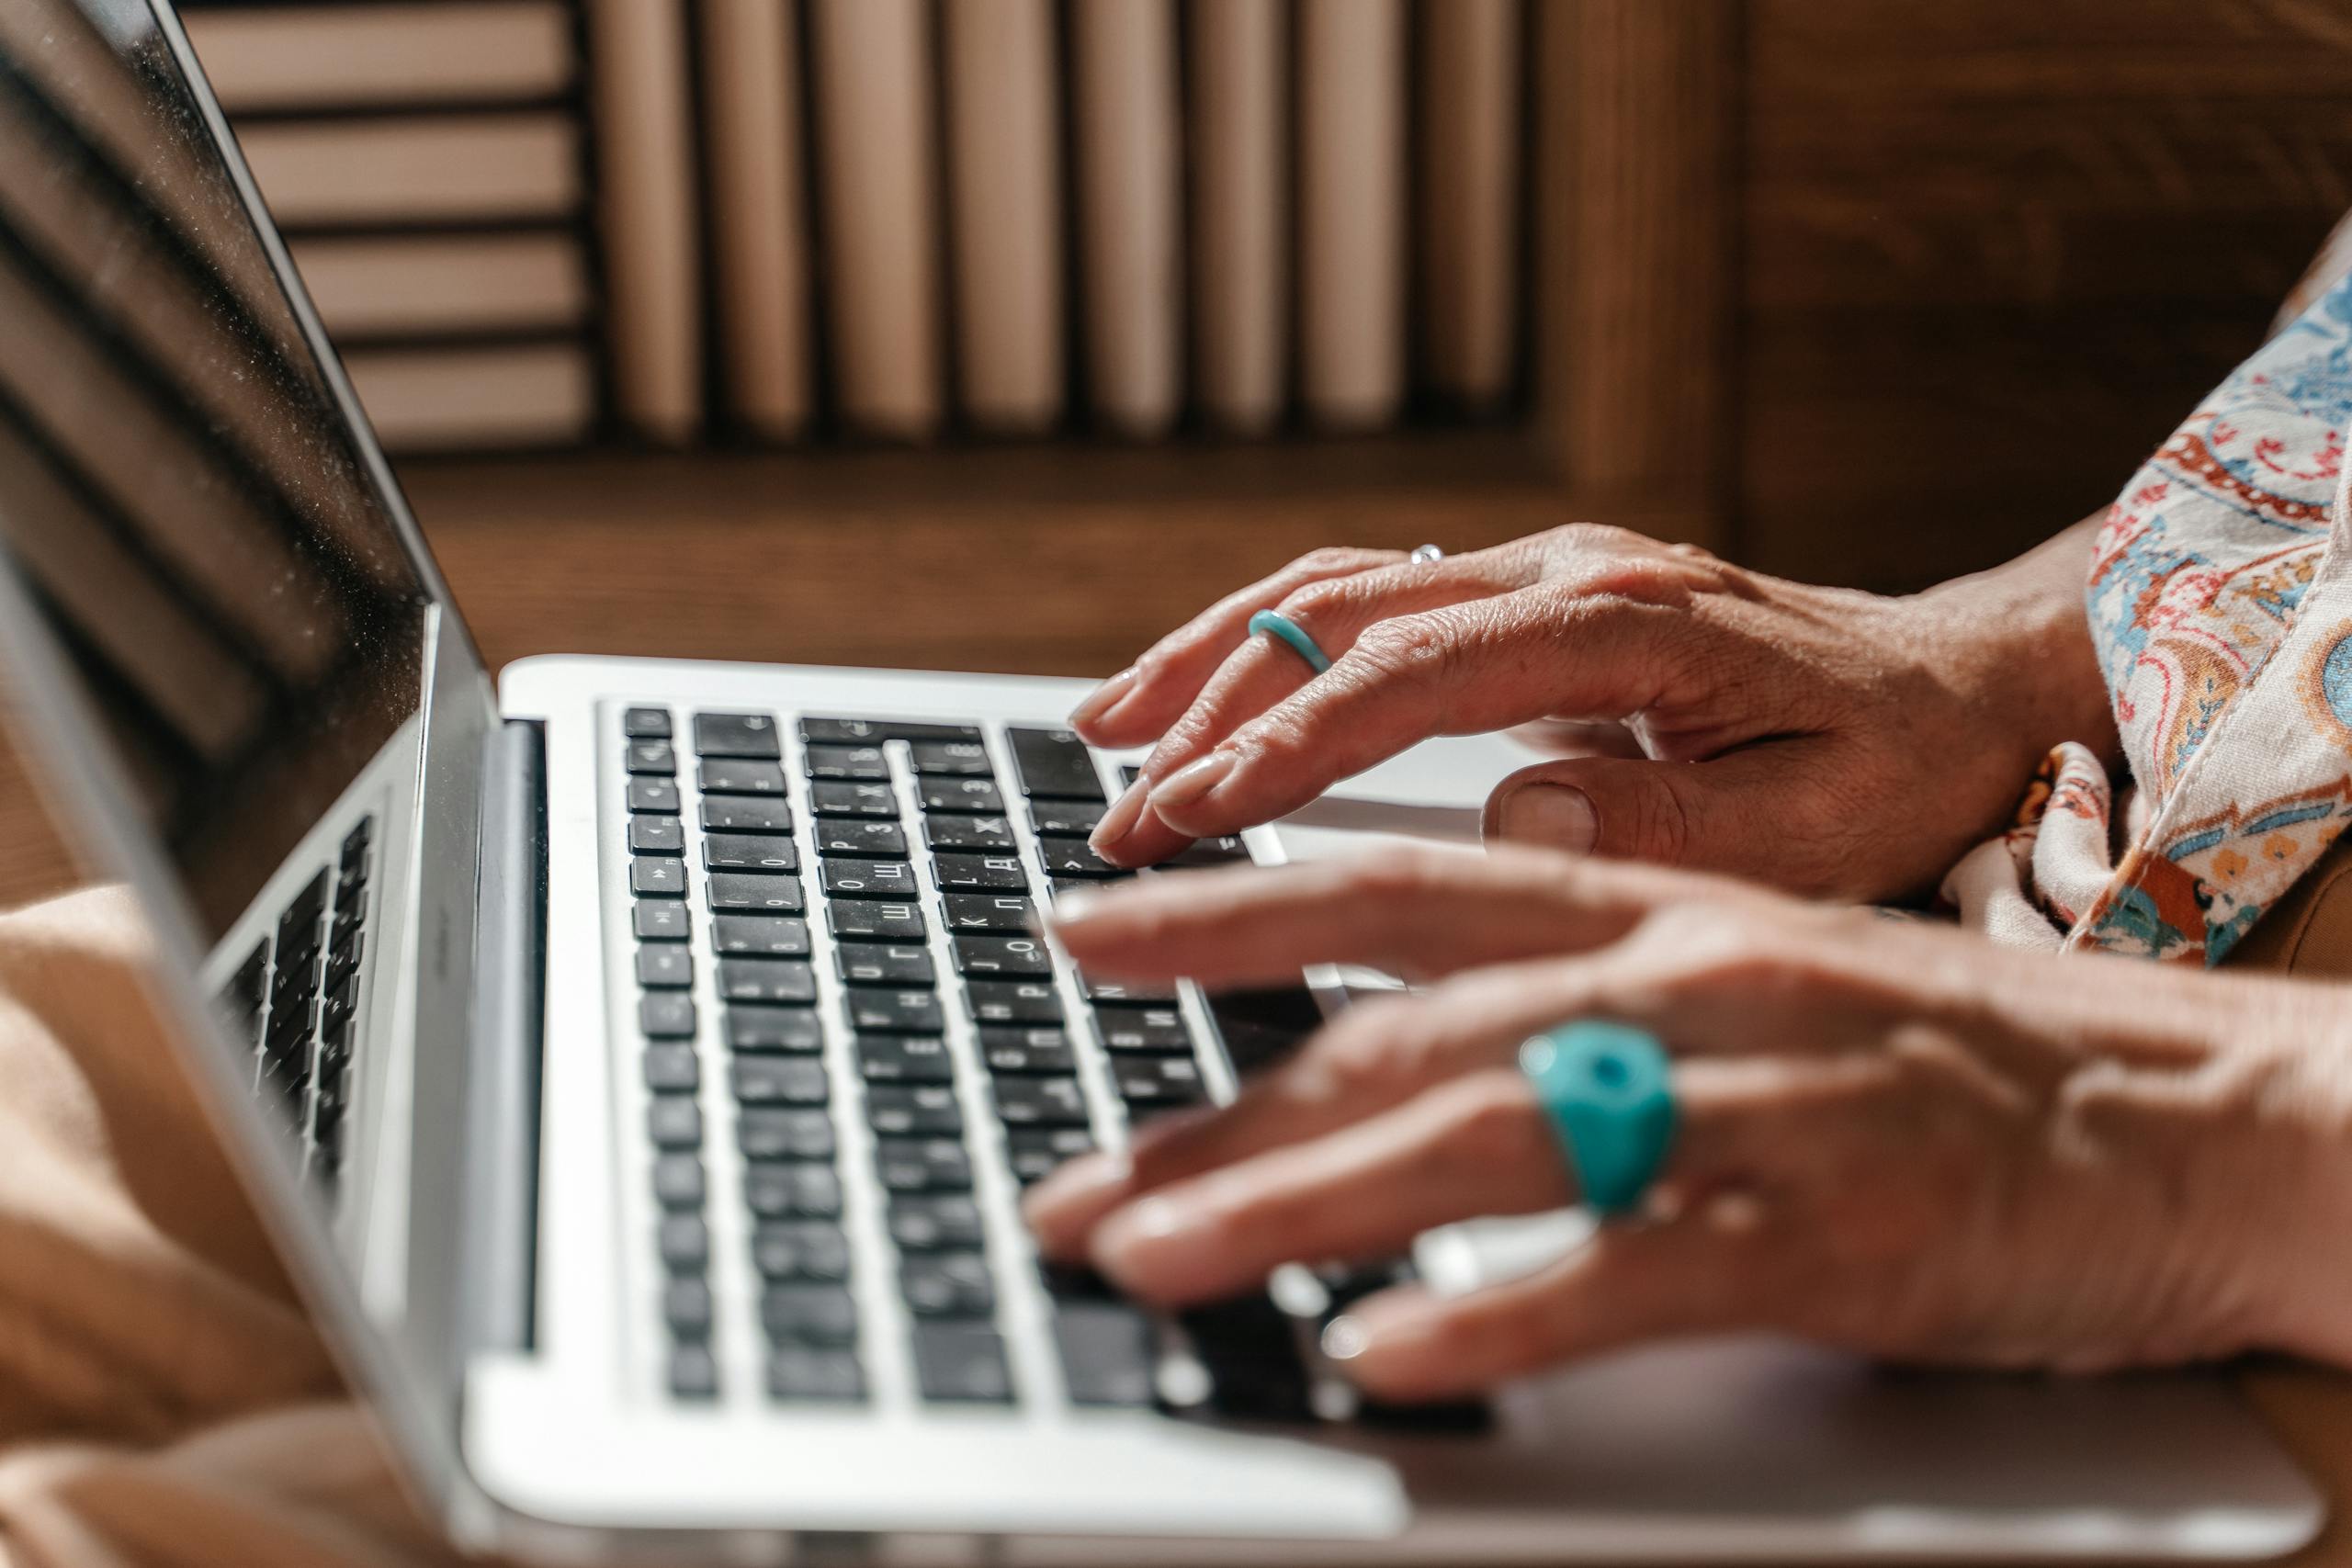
(1844, 743)
(1892, 1138)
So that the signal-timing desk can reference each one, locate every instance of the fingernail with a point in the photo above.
(1120, 820)
(1073, 907)
(1102, 699)
(1344, 1338)
(1153, 1241)
(1061, 1208)
(1190, 782)
(1550, 814)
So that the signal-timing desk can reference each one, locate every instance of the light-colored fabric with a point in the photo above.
(2220, 597)
(164, 1402)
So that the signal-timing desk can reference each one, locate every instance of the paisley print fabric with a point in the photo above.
(2221, 601)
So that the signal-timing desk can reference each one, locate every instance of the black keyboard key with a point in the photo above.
(834, 798)
(800, 1250)
(861, 836)
(981, 873)
(951, 758)
(870, 731)
(1204, 853)
(673, 1069)
(303, 913)
(1054, 763)
(735, 734)
(962, 1363)
(953, 830)
(650, 757)
(792, 1189)
(1027, 1050)
(736, 892)
(863, 764)
(947, 1284)
(884, 1011)
(988, 913)
(657, 877)
(760, 854)
(1075, 1282)
(694, 1372)
(866, 919)
(778, 1081)
(745, 814)
(761, 936)
(1065, 818)
(686, 1243)
(674, 1121)
(1159, 1030)
(765, 1031)
(1013, 1001)
(797, 1373)
(1107, 1353)
(1035, 1153)
(646, 724)
(731, 776)
(1157, 1083)
(657, 836)
(922, 1165)
(1065, 858)
(875, 964)
(355, 843)
(1250, 1347)
(665, 966)
(685, 1307)
(843, 877)
(1126, 993)
(916, 1109)
(666, 1016)
(678, 1181)
(824, 1317)
(960, 794)
(1040, 1102)
(1262, 1027)
(783, 982)
(658, 797)
(903, 1059)
(934, 1222)
(773, 1132)
(997, 956)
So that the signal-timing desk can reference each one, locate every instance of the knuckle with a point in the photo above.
(1407, 647)
(1318, 602)
(1334, 557)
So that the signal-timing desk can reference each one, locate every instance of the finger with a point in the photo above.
(1423, 911)
(1484, 665)
(1734, 814)
(1624, 1287)
(1580, 737)
(1138, 704)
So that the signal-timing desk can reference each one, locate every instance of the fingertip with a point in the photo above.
(1063, 1208)
(1157, 1249)
(1088, 717)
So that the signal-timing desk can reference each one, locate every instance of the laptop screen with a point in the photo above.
(186, 507)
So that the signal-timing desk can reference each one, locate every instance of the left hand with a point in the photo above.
(1893, 1137)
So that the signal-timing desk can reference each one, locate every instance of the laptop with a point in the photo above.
(640, 1063)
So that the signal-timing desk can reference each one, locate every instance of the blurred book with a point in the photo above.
(1351, 210)
(1124, 58)
(1470, 62)
(1239, 115)
(487, 397)
(872, 70)
(752, 152)
(377, 285)
(275, 58)
(394, 169)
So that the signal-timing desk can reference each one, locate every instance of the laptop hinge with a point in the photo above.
(500, 1262)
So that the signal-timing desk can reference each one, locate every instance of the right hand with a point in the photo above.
(1824, 740)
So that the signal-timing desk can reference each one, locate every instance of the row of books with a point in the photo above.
(535, 221)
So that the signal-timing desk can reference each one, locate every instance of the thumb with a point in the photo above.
(1723, 815)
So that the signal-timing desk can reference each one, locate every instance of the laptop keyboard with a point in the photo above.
(295, 1000)
(842, 885)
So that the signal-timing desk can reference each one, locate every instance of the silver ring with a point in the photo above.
(1424, 554)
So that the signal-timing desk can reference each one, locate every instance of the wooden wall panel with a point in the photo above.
(1993, 252)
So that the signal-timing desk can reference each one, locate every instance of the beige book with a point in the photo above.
(880, 191)
(404, 168)
(1351, 210)
(449, 398)
(1125, 64)
(1004, 170)
(373, 285)
(646, 212)
(1240, 215)
(1470, 151)
(759, 237)
(315, 56)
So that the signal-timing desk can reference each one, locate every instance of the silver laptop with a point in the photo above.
(640, 1063)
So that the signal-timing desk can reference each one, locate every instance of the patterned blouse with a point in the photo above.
(2220, 603)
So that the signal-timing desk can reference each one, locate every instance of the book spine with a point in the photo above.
(1240, 201)
(1125, 90)
(760, 239)
(1351, 210)
(1471, 140)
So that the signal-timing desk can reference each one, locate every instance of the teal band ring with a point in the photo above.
(1291, 632)
(1608, 1089)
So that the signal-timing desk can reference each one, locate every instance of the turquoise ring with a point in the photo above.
(1291, 632)
(1608, 1089)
